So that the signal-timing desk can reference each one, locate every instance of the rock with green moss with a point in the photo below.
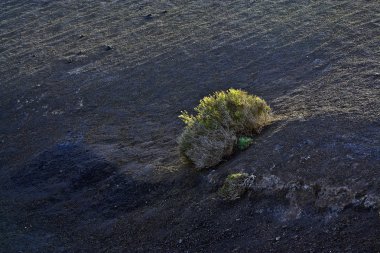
(234, 186)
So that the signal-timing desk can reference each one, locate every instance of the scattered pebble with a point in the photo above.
(107, 48)
(148, 17)
(57, 112)
(318, 62)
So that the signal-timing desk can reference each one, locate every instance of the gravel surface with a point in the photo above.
(89, 103)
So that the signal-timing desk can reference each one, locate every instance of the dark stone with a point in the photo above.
(107, 48)
(148, 17)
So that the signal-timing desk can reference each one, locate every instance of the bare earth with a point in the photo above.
(89, 99)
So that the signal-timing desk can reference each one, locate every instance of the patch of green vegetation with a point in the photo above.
(233, 187)
(212, 133)
(244, 142)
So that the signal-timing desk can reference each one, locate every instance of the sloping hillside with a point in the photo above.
(89, 103)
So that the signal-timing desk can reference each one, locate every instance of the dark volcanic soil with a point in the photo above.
(90, 94)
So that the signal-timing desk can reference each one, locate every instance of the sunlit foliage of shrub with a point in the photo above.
(221, 118)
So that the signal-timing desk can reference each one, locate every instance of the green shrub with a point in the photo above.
(244, 142)
(212, 133)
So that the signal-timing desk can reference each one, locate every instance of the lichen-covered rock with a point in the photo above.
(300, 194)
(267, 184)
(234, 186)
(334, 198)
(371, 201)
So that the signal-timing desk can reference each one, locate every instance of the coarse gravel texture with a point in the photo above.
(89, 103)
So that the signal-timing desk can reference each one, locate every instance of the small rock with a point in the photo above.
(327, 69)
(234, 186)
(371, 202)
(278, 238)
(268, 184)
(335, 198)
(318, 62)
(107, 48)
(249, 181)
(148, 17)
